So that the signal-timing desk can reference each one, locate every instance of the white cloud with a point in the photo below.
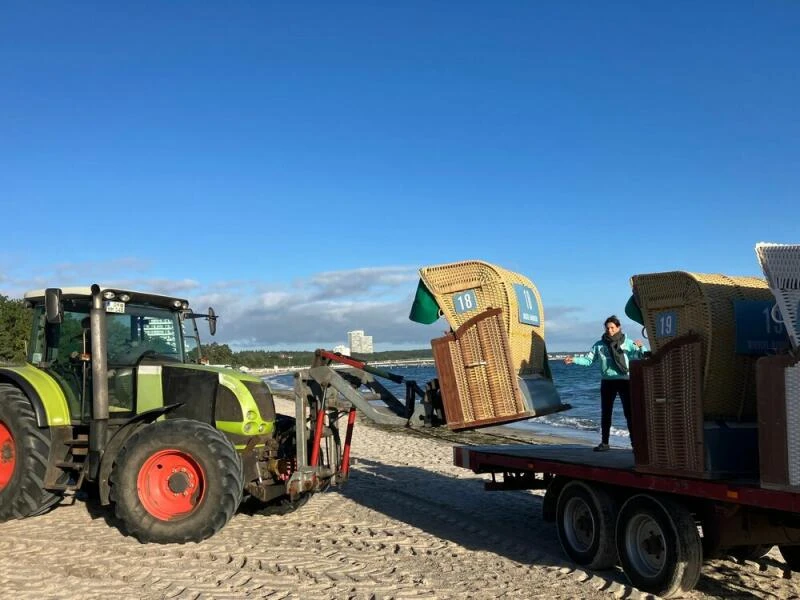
(304, 313)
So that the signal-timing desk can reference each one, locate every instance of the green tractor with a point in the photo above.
(115, 398)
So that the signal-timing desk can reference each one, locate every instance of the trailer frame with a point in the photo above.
(600, 502)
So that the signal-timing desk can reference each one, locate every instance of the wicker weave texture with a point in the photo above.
(494, 288)
(781, 266)
(704, 304)
(672, 410)
(486, 384)
(792, 383)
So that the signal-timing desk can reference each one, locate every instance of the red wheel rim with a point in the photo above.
(171, 484)
(8, 455)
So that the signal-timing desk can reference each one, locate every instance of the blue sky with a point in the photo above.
(295, 163)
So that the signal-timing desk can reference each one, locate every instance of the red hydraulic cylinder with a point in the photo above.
(351, 419)
(317, 437)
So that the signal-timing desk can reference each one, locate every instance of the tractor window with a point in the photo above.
(190, 339)
(142, 330)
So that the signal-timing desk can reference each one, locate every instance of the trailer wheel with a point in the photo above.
(791, 554)
(585, 519)
(24, 454)
(176, 481)
(659, 546)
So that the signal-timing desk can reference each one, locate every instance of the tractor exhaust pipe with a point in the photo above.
(98, 426)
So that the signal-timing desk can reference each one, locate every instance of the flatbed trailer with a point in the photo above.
(660, 528)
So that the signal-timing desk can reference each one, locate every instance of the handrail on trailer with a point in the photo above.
(486, 460)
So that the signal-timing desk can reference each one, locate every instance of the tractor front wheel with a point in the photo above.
(176, 481)
(24, 453)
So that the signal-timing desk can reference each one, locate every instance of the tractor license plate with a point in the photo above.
(115, 307)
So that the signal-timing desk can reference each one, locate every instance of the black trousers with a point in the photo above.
(609, 388)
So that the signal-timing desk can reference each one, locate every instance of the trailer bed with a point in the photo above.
(614, 467)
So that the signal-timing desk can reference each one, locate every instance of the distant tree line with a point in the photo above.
(221, 354)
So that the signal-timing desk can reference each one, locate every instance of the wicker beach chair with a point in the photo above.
(678, 303)
(781, 266)
(493, 366)
(465, 289)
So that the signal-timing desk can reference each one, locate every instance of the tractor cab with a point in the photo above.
(139, 327)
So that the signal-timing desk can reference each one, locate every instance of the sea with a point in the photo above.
(578, 386)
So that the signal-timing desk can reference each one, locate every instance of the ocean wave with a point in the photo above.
(274, 383)
(570, 422)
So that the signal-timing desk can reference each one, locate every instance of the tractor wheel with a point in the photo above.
(24, 452)
(176, 481)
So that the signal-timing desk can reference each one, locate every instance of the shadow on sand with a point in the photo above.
(510, 524)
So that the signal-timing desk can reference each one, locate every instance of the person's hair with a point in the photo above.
(612, 319)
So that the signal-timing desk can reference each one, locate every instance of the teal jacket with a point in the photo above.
(608, 368)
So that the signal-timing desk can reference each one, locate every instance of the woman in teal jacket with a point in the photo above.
(614, 352)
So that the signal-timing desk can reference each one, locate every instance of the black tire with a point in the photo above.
(156, 502)
(25, 452)
(791, 554)
(585, 517)
(750, 552)
(659, 546)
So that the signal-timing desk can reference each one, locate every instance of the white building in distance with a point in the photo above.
(342, 349)
(359, 343)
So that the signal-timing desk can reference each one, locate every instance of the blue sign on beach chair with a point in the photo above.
(757, 332)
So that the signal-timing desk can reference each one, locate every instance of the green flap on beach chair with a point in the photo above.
(425, 309)
(633, 311)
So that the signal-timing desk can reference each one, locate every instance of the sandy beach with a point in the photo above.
(408, 524)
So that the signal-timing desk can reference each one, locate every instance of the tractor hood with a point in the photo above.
(224, 371)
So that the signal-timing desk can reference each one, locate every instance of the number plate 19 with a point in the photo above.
(666, 324)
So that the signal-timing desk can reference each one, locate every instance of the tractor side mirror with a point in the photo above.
(212, 321)
(52, 305)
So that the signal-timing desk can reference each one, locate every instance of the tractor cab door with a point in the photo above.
(138, 333)
(63, 352)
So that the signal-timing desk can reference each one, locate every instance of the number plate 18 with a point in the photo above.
(465, 301)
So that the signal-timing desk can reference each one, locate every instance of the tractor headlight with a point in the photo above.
(124, 297)
(109, 295)
(262, 428)
(248, 427)
(251, 415)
